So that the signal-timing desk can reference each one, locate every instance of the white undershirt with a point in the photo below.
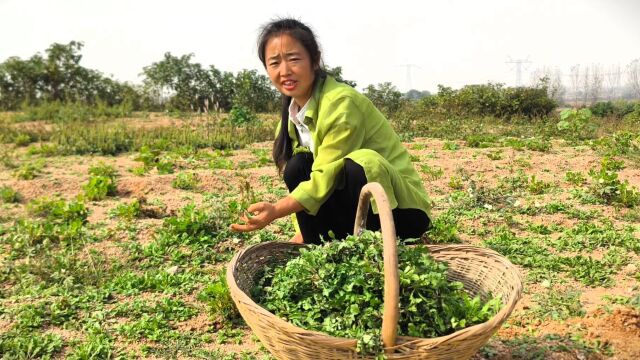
(297, 118)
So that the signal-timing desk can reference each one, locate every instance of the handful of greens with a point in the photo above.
(337, 288)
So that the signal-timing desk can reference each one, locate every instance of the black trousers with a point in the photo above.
(338, 213)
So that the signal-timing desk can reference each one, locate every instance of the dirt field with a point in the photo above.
(605, 329)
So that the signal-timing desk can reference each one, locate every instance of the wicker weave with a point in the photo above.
(482, 271)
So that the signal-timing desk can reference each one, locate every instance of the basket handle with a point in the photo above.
(391, 311)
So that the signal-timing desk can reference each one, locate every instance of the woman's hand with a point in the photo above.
(263, 214)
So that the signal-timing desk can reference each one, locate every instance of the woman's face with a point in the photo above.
(289, 67)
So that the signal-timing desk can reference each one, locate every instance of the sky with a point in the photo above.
(449, 42)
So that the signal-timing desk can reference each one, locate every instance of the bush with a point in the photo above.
(617, 109)
(576, 124)
(602, 108)
(240, 115)
(491, 100)
(72, 111)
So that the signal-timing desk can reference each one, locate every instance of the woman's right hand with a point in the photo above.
(263, 214)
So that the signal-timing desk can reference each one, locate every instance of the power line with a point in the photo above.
(409, 66)
(518, 65)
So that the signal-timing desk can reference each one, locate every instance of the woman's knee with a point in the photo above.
(297, 170)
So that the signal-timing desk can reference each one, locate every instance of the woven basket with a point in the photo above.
(482, 272)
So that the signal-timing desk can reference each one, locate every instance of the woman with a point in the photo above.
(331, 141)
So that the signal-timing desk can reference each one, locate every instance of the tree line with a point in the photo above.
(173, 83)
(179, 83)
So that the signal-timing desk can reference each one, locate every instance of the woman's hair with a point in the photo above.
(282, 146)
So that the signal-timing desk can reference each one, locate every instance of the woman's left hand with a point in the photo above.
(263, 214)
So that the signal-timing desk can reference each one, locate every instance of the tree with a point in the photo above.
(597, 79)
(633, 77)
(58, 76)
(585, 85)
(336, 72)
(575, 82)
(183, 81)
(21, 81)
(612, 81)
(254, 91)
(385, 96)
(62, 71)
(551, 79)
(414, 94)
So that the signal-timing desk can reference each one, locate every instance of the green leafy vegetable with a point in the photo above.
(337, 288)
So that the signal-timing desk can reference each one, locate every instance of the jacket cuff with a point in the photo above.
(310, 205)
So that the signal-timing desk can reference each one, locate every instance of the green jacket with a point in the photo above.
(345, 124)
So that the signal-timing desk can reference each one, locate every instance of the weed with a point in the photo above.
(527, 251)
(622, 143)
(536, 144)
(99, 187)
(557, 305)
(221, 163)
(185, 181)
(576, 124)
(240, 115)
(150, 326)
(95, 346)
(537, 187)
(9, 196)
(57, 210)
(532, 348)
(218, 299)
(44, 149)
(631, 301)
(444, 230)
(480, 140)
(432, 172)
(23, 140)
(167, 308)
(586, 235)
(28, 171)
(607, 188)
(127, 211)
(162, 281)
(263, 157)
(589, 271)
(450, 145)
(102, 169)
(522, 162)
(30, 346)
(575, 178)
(152, 157)
(455, 182)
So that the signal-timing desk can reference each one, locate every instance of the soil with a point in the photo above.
(620, 328)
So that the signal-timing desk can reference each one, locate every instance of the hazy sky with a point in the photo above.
(453, 42)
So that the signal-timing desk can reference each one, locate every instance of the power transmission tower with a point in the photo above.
(409, 66)
(518, 65)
